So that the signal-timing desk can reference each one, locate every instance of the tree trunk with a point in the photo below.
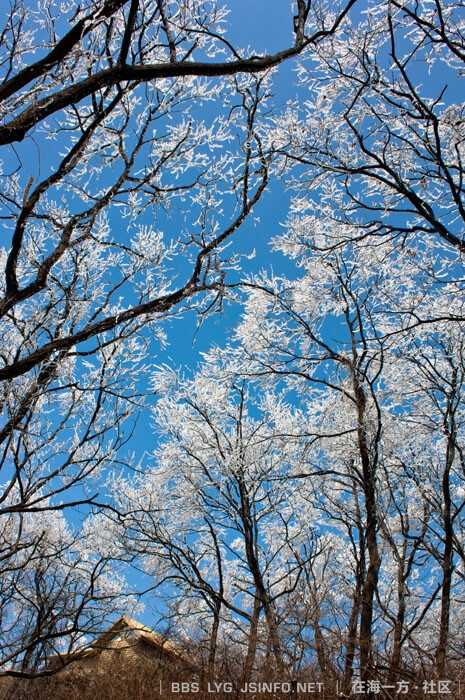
(320, 645)
(252, 643)
(213, 641)
(250, 538)
(351, 643)
(368, 463)
(368, 594)
(447, 564)
(450, 429)
(399, 623)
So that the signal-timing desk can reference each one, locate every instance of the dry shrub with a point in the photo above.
(141, 681)
(119, 680)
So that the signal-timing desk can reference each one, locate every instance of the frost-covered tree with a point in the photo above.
(433, 366)
(308, 478)
(58, 584)
(282, 337)
(137, 140)
(382, 406)
(377, 138)
(131, 135)
(216, 516)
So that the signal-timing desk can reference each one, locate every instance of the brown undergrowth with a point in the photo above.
(120, 682)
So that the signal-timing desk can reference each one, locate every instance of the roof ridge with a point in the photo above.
(135, 624)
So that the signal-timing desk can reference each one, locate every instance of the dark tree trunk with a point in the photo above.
(368, 459)
(213, 641)
(250, 538)
(252, 643)
(447, 562)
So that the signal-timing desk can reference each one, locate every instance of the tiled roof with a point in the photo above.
(106, 641)
(141, 632)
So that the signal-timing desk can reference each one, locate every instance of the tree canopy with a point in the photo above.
(299, 507)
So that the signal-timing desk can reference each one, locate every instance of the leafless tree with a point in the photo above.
(132, 151)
